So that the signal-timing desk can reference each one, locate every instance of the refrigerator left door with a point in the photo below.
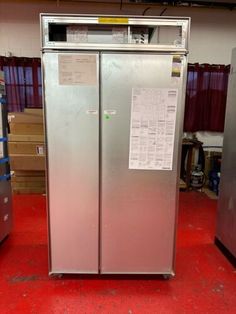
(71, 87)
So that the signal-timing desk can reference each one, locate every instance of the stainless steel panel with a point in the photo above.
(72, 157)
(5, 185)
(73, 19)
(138, 206)
(226, 214)
(5, 209)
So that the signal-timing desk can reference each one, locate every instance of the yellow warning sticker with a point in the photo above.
(113, 20)
(176, 66)
(177, 59)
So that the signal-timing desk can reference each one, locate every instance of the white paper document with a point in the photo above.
(77, 34)
(40, 150)
(77, 69)
(119, 35)
(1, 150)
(152, 128)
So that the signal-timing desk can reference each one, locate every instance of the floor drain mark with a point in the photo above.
(24, 278)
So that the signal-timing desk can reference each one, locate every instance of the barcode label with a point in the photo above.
(40, 150)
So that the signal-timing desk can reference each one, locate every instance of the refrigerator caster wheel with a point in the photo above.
(167, 276)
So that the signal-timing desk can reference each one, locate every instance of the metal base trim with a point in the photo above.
(226, 252)
(138, 273)
(4, 238)
(65, 272)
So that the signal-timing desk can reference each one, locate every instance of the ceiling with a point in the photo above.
(229, 4)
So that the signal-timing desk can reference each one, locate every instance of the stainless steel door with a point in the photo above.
(226, 214)
(72, 106)
(138, 207)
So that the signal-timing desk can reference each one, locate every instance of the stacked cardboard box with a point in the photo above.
(27, 151)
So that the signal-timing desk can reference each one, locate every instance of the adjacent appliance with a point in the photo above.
(5, 184)
(226, 213)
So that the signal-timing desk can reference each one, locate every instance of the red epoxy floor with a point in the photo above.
(205, 280)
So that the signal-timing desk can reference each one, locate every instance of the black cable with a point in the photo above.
(163, 11)
(146, 10)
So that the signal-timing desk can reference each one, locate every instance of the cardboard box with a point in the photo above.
(32, 180)
(35, 190)
(35, 184)
(28, 173)
(36, 111)
(21, 117)
(28, 184)
(26, 128)
(26, 148)
(25, 138)
(27, 162)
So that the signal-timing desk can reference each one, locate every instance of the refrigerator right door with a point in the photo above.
(141, 127)
(226, 214)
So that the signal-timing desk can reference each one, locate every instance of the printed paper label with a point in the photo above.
(152, 128)
(119, 35)
(77, 34)
(5, 200)
(40, 150)
(92, 111)
(1, 150)
(77, 69)
(110, 111)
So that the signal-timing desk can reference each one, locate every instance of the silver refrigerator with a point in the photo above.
(226, 213)
(5, 183)
(114, 90)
